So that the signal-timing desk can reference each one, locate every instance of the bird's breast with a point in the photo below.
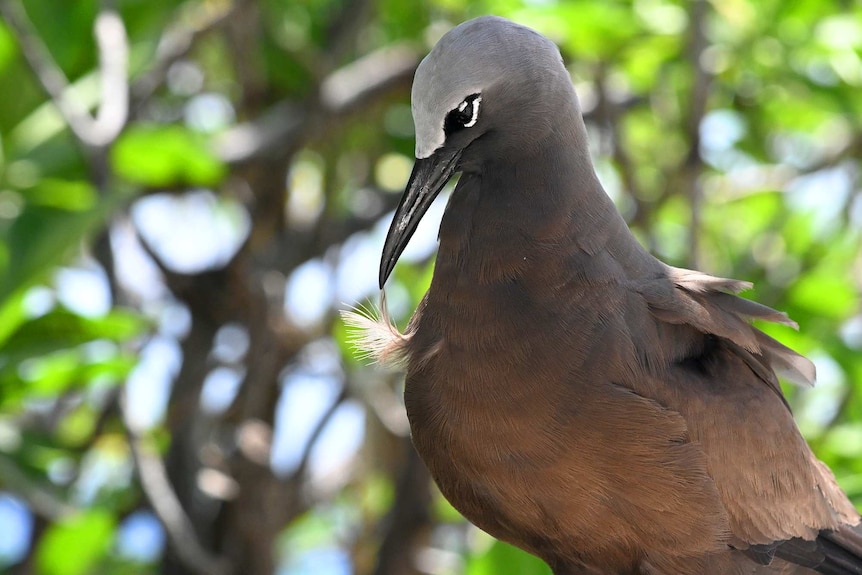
(515, 391)
(491, 400)
(486, 434)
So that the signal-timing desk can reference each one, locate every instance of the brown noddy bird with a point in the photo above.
(570, 393)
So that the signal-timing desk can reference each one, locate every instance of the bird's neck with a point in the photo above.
(508, 216)
(519, 243)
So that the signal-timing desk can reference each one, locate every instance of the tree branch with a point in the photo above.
(177, 42)
(44, 501)
(342, 92)
(166, 505)
(693, 166)
(301, 467)
(408, 518)
(345, 27)
(611, 113)
(110, 34)
(113, 48)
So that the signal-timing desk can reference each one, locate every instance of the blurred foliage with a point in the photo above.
(209, 245)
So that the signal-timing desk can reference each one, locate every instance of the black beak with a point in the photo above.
(428, 178)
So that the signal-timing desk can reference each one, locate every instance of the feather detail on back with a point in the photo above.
(374, 336)
(710, 305)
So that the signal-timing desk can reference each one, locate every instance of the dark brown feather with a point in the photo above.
(576, 397)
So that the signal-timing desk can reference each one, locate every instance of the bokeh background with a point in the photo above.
(191, 190)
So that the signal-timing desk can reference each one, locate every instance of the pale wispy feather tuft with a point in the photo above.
(373, 335)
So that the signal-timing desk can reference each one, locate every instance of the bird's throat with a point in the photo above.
(507, 216)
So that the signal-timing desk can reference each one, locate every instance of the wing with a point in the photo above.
(709, 304)
(780, 500)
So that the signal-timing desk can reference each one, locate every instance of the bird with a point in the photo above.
(571, 394)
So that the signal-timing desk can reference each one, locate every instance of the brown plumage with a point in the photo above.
(571, 394)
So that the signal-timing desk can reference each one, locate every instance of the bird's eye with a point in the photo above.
(465, 115)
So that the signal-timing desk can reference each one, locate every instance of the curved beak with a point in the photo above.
(427, 179)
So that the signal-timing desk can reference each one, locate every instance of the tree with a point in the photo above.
(190, 190)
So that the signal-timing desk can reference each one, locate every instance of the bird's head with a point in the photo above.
(490, 89)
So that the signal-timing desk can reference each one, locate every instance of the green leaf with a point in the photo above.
(42, 236)
(310, 530)
(845, 440)
(160, 156)
(590, 29)
(503, 558)
(7, 45)
(443, 510)
(75, 195)
(52, 374)
(377, 494)
(825, 295)
(61, 329)
(74, 545)
(77, 426)
(12, 315)
(44, 356)
(852, 486)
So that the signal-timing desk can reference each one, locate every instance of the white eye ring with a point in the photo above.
(474, 113)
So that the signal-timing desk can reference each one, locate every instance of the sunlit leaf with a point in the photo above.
(42, 236)
(852, 486)
(64, 194)
(77, 426)
(153, 155)
(589, 29)
(845, 440)
(377, 495)
(74, 545)
(825, 295)
(310, 530)
(12, 315)
(503, 558)
(60, 329)
(7, 46)
(52, 374)
(444, 511)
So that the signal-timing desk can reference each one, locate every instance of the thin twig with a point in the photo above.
(176, 43)
(27, 565)
(166, 505)
(113, 48)
(44, 500)
(693, 166)
(408, 518)
(342, 92)
(345, 27)
(315, 435)
(110, 34)
(611, 112)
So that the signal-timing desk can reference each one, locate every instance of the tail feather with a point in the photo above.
(834, 552)
(843, 551)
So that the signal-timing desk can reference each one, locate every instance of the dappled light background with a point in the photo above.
(191, 190)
